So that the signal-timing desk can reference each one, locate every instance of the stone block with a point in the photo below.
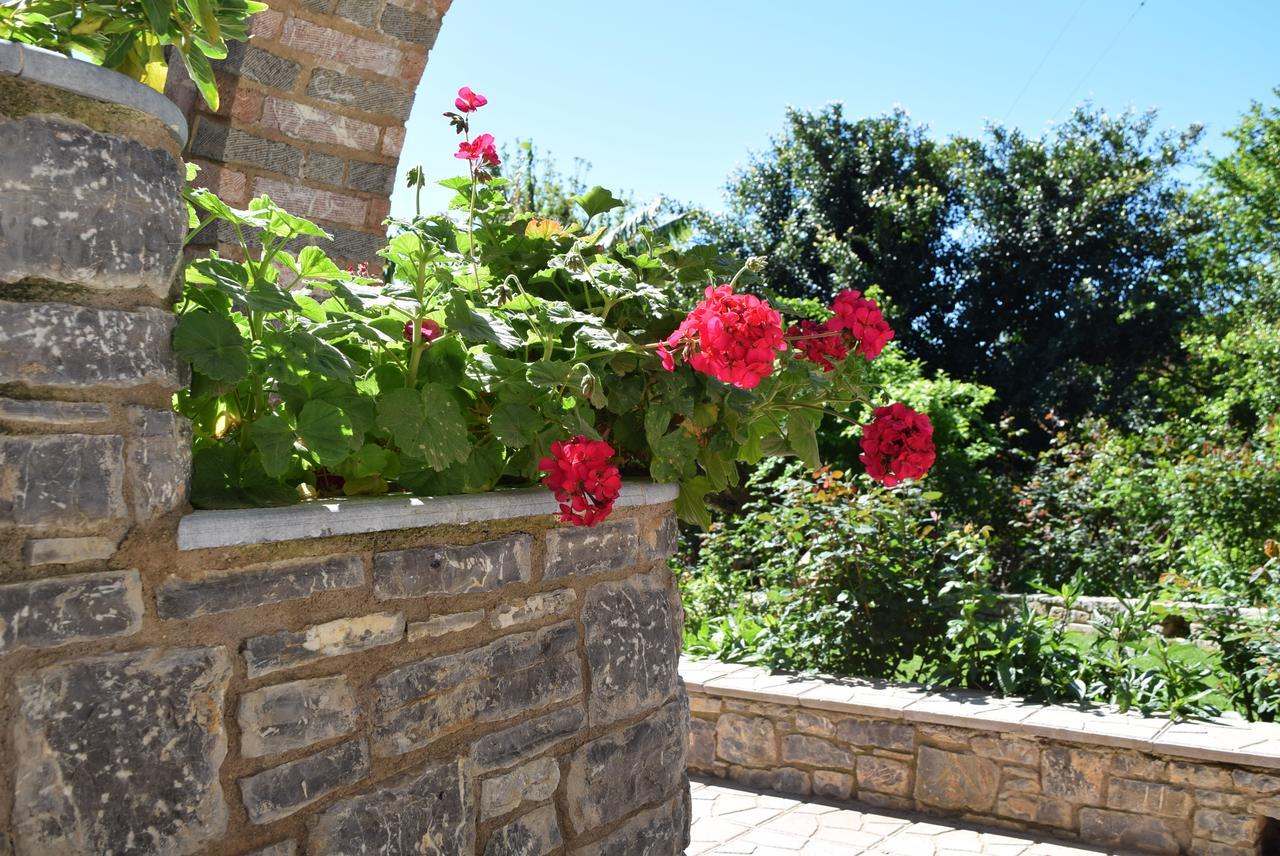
(747, 740)
(536, 607)
(658, 540)
(1128, 831)
(534, 834)
(816, 752)
(281, 791)
(611, 775)
(218, 142)
(808, 722)
(159, 462)
(1255, 783)
(273, 652)
(258, 585)
(515, 674)
(1030, 808)
(67, 551)
(584, 550)
(62, 610)
(702, 744)
(442, 625)
(288, 847)
(426, 811)
(1141, 766)
(361, 94)
(633, 646)
(1149, 798)
(327, 44)
(1199, 776)
(48, 414)
(955, 780)
(885, 775)
(425, 571)
(834, 785)
(409, 26)
(877, 734)
(1075, 775)
(63, 480)
(133, 742)
(1239, 829)
(789, 780)
(371, 177)
(659, 831)
(325, 169)
(532, 737)
(532, 782)
(1009, 749)
(284, 717)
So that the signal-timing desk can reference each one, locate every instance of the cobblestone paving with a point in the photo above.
(728, 819)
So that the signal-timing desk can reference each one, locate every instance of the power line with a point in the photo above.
(1100, 58)
(1043, 59)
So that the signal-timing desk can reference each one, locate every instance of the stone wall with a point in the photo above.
(1122, 782)
(493, 685)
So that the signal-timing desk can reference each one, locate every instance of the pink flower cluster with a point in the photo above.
(585, 482)
(429, 329)
(897, 445)
(861, 317)
(818, 343)
(731, 337)
(482, 148)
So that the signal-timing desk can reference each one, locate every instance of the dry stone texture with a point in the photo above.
(428, 571)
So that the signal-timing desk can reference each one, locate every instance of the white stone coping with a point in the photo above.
(323, 518)
(92, 81)
(1223, 741)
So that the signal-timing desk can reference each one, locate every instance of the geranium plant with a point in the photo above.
(501, 350)
(130, 36)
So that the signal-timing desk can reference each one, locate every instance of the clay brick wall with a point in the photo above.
(312, 112)
(1120, 782)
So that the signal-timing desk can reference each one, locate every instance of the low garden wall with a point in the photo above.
(1118, 781)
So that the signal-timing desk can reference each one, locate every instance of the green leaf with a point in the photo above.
(480, 325)
(802, 436)
(691, 505)
(265, 296)
(314, 264)
(158, 12)
(327, 432)
(597, 200)
(515, 425)
(213, 345)
(549, 374)
(274, 438)
(426, 425)
(201, 74)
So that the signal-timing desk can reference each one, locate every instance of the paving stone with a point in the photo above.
(1121, 830)
(532, 782)
(159, 462)
(1148, 798)
(52, 413)
(67, 551)
(273, 652)
(884, 775)
(65, 480)
(258, 585)
(442, 625)
(425, 571)
(533, 608)
(534, 834)
(657, 832)
(584, 550)
(61, 610)
(518, 673)
(291, 787)
(877, 733)
(633, 646)
(746, 740)
(816, 752)
(1077, 775)
(289, 716)
(611, 775)
(350, 91)
(427, 811)
(953, 780)
(134, 742)
(529, 738)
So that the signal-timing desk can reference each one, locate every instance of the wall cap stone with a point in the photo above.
(324, 518)
(1226, 740)
(84, 78)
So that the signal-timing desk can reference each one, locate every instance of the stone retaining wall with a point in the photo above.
(1179, 619)
(1123, 782)
(493, 685)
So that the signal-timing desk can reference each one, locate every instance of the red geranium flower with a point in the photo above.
(731, 337)
(861, 317)
(819, 344)
(897, 445)
(481, 148)
(430, 330)
(582, 478)
(469, 101)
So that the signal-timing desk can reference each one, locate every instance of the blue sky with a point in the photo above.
(668, 97)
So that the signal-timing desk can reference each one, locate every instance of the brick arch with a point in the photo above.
(313, 111)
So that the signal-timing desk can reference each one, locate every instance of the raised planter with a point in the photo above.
(1108, 779)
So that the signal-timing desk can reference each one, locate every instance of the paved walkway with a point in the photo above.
(728, 819)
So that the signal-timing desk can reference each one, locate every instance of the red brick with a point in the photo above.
(327, 44)
(379, 210)
(314, 204)
(231, 186)
(313, 125)
(415, 62)
(393, 141)
(246, 105)
(266, 25)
